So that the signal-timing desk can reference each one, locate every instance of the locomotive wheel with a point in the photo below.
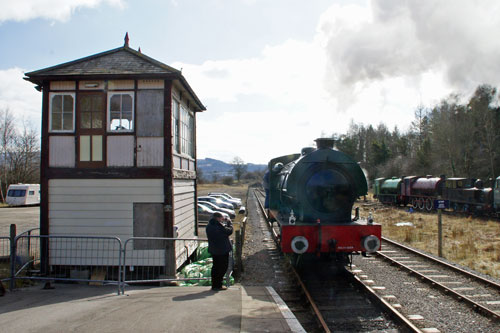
(429, 205)
(421, 203)
(466, 208)
(414, 203)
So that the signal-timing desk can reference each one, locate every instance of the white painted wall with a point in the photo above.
(184, 217)
(97, 207)
(62, 151)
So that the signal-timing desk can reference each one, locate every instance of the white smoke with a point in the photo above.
(409, 40)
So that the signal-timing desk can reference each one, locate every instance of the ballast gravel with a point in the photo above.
(436, 309)
(262, 261)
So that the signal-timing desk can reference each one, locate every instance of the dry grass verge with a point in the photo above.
(468, 241)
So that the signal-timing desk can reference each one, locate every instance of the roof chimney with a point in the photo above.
(126, 40)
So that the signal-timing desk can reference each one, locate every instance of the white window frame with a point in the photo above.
(108, 111)
(176, 128)
(186, 135)
(51, 95)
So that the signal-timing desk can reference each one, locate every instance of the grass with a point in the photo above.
(468, 241)
(236, 190)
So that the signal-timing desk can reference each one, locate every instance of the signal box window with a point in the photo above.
(91, 148)
(91, 130)
(187, 132)
(91, 111)
(62, 112)
(175, 125)
(121, 112)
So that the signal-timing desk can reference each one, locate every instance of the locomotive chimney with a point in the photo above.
(325, 143)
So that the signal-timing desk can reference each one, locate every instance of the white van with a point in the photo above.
(23, 195)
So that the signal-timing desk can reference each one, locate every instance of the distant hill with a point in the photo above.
(209, 166)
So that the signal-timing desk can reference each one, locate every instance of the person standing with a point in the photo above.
(219, 246)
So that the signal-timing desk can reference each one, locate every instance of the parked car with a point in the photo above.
(226, 195)
(235, 203)
(216, 201)
(216, 208)
(205, 214)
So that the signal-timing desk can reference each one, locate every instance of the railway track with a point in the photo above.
(339, 300)
(481, 294)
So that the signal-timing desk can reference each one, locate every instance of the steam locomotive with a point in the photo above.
(465, 195)
(311, 196)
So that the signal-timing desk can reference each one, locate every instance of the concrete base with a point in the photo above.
(79, 308)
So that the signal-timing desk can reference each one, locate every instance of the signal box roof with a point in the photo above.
(119, 63)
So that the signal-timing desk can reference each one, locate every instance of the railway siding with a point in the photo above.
(429, 307)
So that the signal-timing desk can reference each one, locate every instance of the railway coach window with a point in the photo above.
(328, 191)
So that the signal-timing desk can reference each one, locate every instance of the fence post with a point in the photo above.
(440, 233)
(237, 238)
(12, 256)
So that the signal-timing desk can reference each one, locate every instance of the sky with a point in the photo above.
(273, 74)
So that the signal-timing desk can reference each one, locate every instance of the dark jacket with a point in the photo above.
(218, 237)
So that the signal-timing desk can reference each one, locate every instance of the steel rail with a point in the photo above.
(444, 263)
(446, 289)
(308, 296)
(263, 210)
(386, 305)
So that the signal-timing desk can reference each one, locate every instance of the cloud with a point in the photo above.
(389, 39)
(20, 97)
(288, 72)
(59, 10)
(372, 63)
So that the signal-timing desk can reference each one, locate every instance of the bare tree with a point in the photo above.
(215, 177)
(7, 138)
(26, 158)
(19, 153)
(239, 168)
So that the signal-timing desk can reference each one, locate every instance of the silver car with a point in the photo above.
(235, 203)
(216, 201)
(205, 214)
(216, 208)
(227, 196)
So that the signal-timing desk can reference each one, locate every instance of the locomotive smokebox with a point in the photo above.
(325, 143)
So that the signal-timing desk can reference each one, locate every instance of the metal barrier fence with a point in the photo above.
(146, 259)
(101, 260)
(5, 251)
(27, 249)
(92, 259)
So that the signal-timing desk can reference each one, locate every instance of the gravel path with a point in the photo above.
(262, 262)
